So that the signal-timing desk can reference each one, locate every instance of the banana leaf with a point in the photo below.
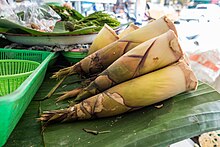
(59, 29)
(3, 30)
(4, 42)
(180, 117)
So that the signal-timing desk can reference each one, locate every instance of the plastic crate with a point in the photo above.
(13, 105)
(74, 56)
(13, 72)
(53, 60)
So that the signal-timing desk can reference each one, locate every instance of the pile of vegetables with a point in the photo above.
(74, 20)
(67, 14)
(141, 67)
(71, 23)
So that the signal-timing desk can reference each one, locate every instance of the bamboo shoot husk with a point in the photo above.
(149, 56)
(131, 95)
(105, 37)
(128, 30)
(102, 58)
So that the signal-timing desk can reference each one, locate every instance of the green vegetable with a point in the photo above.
(99, 18)
(75, 20)
(67, 14)
(72, 23)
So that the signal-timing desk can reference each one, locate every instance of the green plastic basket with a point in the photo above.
(13, 105)
(74, 56)
(13, 73)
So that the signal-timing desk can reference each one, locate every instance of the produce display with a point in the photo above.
(144, 67)
(101, 59)
(66, 13)
(117, 71)
(130, 95)
(67, 21)
(134, 63)
(74, 20)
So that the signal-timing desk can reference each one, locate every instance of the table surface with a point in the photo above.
(130, 127)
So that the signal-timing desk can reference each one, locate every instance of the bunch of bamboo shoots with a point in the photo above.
(149, 56)
(102, 58)
(143, 72)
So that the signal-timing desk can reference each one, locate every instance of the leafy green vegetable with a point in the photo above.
(67, 14)
(76, 21)
(99, 18)
(73, 23)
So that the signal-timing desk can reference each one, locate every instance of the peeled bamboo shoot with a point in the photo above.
(131, 95)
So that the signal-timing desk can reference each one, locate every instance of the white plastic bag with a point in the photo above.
(7, 12)
(31, 14)
(206, 65)
(37, 16)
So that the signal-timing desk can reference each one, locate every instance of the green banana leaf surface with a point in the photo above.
(3, 30)
(7, 26)
(180, 117)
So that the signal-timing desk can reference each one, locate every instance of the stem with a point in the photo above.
(94, 132)
(55, 88)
